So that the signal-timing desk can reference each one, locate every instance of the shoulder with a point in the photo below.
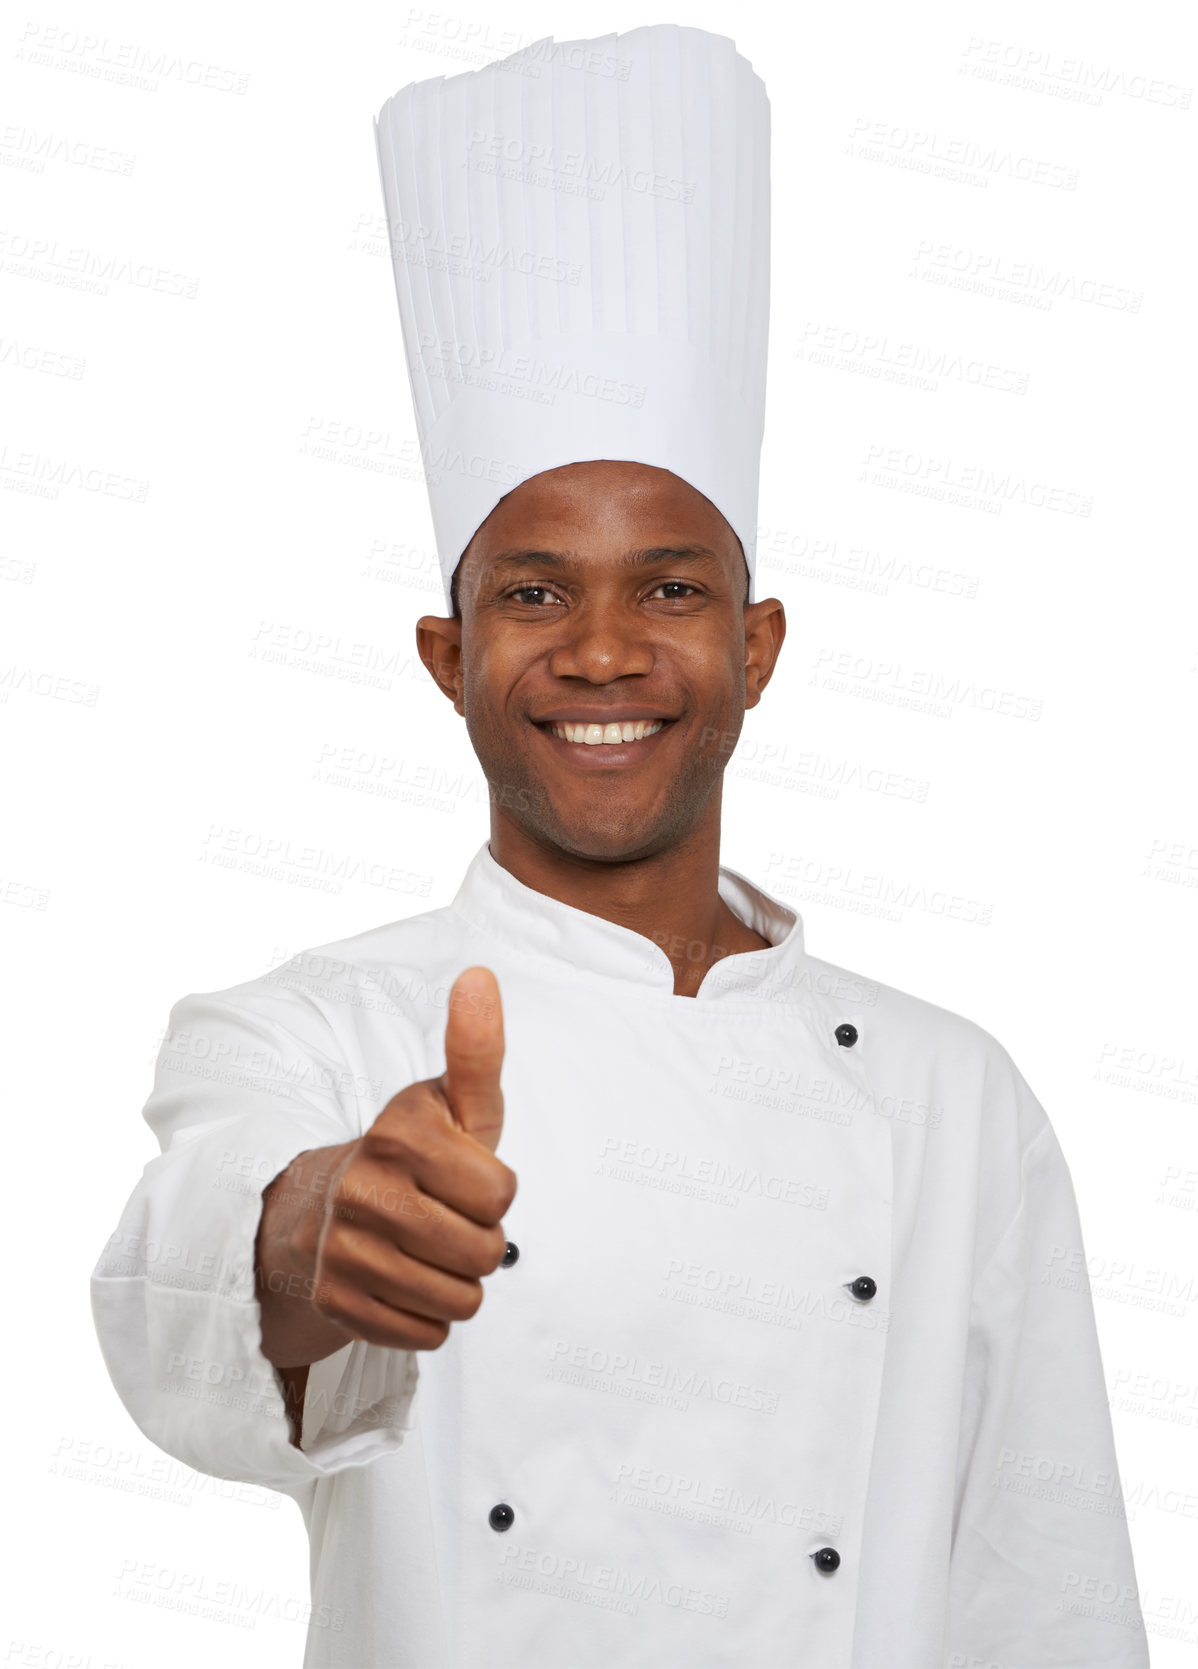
(390, 967)
(911, 1045)
(897, 1017)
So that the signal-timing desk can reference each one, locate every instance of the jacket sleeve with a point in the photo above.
(1041, 1572)
(244, 1082)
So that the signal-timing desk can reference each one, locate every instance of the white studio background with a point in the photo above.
(972, 772)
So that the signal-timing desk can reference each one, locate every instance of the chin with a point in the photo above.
(613, 845)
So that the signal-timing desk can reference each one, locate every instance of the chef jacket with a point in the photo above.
(788, 1364)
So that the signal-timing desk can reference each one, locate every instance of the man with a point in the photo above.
(771, 1341)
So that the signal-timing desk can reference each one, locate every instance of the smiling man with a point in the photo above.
(610, 1281)
(610, 594)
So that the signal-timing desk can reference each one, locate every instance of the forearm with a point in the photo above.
(294, 1334)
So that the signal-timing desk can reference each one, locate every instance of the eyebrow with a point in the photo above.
(697, 555)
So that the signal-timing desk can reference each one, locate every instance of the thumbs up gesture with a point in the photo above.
(411, 1213)
(474, 1056)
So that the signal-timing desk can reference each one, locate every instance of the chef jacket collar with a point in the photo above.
(568, 941)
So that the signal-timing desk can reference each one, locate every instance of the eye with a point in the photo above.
(522, 590)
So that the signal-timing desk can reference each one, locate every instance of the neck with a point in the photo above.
(670, 896)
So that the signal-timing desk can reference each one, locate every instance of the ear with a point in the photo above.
(439, 645)
(765, 628)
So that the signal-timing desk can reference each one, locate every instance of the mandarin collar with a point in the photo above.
(568, 942)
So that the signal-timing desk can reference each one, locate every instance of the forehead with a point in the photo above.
(591, 504)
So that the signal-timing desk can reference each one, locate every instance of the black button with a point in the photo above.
(827, 1558)
(846, 1035)
(501, 1516)
(510, 1253)
(863, 1287)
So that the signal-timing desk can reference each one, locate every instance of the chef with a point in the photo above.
(738, 1326)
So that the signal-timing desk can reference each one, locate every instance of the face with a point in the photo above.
(604, 592)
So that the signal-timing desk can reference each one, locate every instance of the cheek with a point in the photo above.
(488, 685)
(715, 675)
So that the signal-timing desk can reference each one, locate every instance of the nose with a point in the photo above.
(601, 642)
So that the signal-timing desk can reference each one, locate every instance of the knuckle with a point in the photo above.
(497, 1251)
(502, 1188)
(494, 1202)
(469, 1302)
(374, 1332)
(341, 1245)
(420, 1333)
(347, 1199)
(472, 1257)
(389, 1138)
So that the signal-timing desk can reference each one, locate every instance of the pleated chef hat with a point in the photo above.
(580, 234)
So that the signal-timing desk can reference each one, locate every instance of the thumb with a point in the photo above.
(474, 1055)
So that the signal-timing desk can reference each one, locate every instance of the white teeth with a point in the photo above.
(631, 730)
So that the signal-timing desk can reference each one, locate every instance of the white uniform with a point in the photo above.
(785, 1344)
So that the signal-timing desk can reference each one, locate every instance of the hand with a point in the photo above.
(386, 1238)
(413, 1212)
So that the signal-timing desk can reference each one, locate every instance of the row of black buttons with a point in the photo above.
(502, 1517)
(863, 1288)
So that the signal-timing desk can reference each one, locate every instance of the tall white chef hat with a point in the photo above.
(580, 234)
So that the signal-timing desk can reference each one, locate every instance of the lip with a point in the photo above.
(609, 715)
(605, 755)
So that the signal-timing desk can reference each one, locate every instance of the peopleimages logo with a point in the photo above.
(536, 162)
(1039, 70)
(953, 155)
(418, 243)
(572, 1577)
(993, 274)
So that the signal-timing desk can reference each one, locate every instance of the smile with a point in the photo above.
(613, 746)
(606, 735)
